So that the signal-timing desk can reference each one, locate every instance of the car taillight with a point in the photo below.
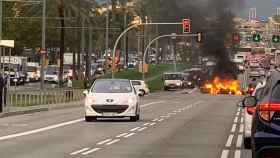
(251, 110)
(268, 109)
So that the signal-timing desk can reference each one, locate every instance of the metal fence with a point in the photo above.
(27, 98)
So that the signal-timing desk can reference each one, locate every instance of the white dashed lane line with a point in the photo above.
(142, 129)
(152, 124)
(233, 128)
(146, 124)
(229, 140)
(241, 129)
(239, 141)
(121, 135)
(237, 154)
(134, 129)
(129, 135)
(91, 151)
(236, 120)
(113, 142)
(79, 151)
(225, 154)
(154, 120)
(160, 120)
(104, 141)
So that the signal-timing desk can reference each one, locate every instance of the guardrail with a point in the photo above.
(26, 98)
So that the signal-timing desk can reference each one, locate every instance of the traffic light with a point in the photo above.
(275, 38)
(236, 38)
(186, 25)
(257, 37)
(199, 37)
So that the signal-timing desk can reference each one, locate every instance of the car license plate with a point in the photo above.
(109, 114)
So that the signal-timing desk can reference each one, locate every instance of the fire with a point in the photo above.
(223, 86)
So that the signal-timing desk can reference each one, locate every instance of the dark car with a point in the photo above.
(266, 119)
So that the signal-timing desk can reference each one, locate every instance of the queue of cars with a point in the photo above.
(262, 118)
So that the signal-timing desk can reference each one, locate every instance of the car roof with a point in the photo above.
(275, 77)
(170, 73)
(112, 80)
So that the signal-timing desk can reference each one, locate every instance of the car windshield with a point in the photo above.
(52, 71)
(111, 86)
(173, 77)
(136, 83)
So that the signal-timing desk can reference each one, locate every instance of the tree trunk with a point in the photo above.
(62, 46)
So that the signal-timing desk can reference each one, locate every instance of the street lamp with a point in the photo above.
(173, 50)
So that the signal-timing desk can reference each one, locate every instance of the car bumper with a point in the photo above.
(110, 111)
(264, 141)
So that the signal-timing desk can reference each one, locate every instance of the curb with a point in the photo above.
(8, 114)
(43, 109)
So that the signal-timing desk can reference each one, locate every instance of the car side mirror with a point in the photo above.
(250, 101)
(85, 92)
(140, 93)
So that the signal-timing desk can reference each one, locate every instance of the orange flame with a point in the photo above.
(224, 86)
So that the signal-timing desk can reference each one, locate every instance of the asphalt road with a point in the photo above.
(172, 125)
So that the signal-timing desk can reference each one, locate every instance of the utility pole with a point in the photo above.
(107, 30)
(89, 54)
(125, 40)
(43, 44)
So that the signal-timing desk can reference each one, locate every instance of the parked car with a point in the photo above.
(141, 87)
(112, 98)
(248, 115)
(266, 120)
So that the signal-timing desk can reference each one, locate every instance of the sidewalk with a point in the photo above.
(12, 110)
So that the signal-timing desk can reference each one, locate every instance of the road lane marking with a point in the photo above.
(242, 120)
(142, 129)
(113, 142)
(91, 151)
(233, 129)
(154, 120)
(160, 120)
(40, 129)
(104, 141)
(241, 129)
(229, 140)
(237, 154)
(152, 124)
(171, 113)
(152, 103)
(238, 113)
(239, 109)
(79, 151)
(225, 154)
(164, 116)
(121, 135)
(146, 124)
(134, 129)
(129, 135)
(235, 120)
(239, 141)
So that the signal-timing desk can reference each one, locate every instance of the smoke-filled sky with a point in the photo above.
(265, 8)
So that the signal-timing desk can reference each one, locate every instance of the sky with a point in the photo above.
(265, 8)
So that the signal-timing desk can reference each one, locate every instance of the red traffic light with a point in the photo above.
(186, 25)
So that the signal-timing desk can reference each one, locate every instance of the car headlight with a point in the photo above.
(178, 84)
(189, 83)
(131, 101)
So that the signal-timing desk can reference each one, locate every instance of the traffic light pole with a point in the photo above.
(124, 32)
(43, 45)
(157, 38)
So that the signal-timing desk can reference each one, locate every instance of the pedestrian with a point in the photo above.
(69, 91)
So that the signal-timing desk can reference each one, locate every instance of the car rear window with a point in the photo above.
(111, 86)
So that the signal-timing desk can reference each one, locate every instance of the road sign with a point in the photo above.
(275, 38)
(186, 25)
(257, 37)
(7, 43)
